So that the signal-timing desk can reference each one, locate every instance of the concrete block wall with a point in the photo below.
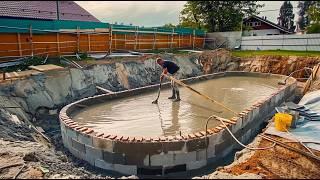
(166, 154)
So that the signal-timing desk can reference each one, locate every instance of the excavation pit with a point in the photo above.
(124, 132)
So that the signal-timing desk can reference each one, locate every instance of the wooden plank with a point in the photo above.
(313, 77)
(89, 43)
(58, 43)
(47, 67)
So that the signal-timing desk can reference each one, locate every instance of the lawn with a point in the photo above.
(248, 53)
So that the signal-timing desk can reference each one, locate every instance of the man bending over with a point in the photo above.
(171, 68)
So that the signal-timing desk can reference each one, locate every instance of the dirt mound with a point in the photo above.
(218, 60)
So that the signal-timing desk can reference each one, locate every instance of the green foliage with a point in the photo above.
(251, 53)
(169, 25)
(304, 19)
(217, 15)
(314, 15)
(286, 16)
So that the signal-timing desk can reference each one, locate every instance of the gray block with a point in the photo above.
(104, 144)
(161, 159)
(183, 158)
(196, 164)
(92, 154)
(78, 146)
(126, 169)
(72, 133)
(85, 139)
(103, 165)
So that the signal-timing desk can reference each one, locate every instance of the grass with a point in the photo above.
(250, 53)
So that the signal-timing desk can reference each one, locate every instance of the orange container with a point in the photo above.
(282, 121)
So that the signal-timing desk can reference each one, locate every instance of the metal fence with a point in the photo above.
(304, 42)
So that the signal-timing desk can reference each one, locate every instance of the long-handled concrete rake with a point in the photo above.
(156, 101)
(197, 92)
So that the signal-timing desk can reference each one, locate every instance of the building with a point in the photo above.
(260, 26)
(45, 10)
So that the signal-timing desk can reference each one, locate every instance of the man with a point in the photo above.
(172, 68)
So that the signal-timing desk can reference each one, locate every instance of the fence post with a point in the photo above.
(19, 44)
(31, 42)
(89, 43)
(78, 40)
(135, 38)
(193, 39)
(125, 41)
(190, 40)
(58, 43)
(154, 38)
(110, 39)
(172, 38)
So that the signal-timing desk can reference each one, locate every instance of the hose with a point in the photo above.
(247, 147)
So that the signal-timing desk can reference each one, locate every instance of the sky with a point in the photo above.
(156, 13)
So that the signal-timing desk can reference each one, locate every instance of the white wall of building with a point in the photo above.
(262, 32)
(231, 39)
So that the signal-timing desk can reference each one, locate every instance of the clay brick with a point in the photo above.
(125, 138)
(198, 134)
(89, 131)
(185, 136)
(209, 131)
(106, 135)
(155, 139)
(163, 138)
(83, 129)
(203, 133)
(131, 139)
(99, 134)
(74, 126)
(219, 128)
(112, 137)
(148, 139)
(192, 136)
(170, 138)
(78, 128)
(118, 138)
(216, 130)
(138, 139)
(178, 137)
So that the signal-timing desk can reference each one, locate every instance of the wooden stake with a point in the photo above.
(89, 43)
(31, 43)
(58, 43)
(110, 39)
(19, 44)
(78, 40)
(125, 41)
(194, 33)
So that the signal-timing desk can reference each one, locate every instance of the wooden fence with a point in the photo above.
(91, 41)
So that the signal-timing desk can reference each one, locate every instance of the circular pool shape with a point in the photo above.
(124, 132)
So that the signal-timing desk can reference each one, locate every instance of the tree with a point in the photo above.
(314, 14)
(191, 16)
(169, 25)
(286, 16)
(218, 15)
(304, 20)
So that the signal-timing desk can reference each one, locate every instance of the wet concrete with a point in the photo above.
(136, 116)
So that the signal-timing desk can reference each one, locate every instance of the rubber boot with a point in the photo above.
(173, 94)
(178, 97)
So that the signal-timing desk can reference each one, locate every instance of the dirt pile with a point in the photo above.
(279, 64)
(218, 60)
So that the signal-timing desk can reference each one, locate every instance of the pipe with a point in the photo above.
(304, 68)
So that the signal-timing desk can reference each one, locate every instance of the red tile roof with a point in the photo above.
(47, 10)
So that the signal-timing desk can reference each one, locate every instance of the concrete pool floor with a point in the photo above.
(136, 116)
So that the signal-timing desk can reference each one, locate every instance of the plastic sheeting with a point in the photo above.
(309, 131)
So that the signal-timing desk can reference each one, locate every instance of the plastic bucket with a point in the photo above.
(282, 121)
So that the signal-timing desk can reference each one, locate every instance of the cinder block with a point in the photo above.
(161, 159)
(215, 139)
(201, 155)
(72, 133)
(85, 139)
(196, 164)
(183, 158)
(114, 158)
(78, 146)
(102, 143)
(126, 169)
(103, 165)
(92, 154)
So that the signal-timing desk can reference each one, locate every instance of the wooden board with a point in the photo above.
(43, 68)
